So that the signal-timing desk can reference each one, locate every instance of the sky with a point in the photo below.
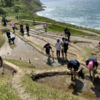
(48, 0)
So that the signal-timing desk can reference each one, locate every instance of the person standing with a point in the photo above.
(92, 65)
(4, 21)
(12, 24)
(21, 29)
(67, 33)
(34, 22)
(17, 18)
(27, 29)
(1, 61)
(65, 47)
(73, 66)
(62, 47)
(45, 27)
(58, 48)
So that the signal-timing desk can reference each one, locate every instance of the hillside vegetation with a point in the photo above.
(19, 6)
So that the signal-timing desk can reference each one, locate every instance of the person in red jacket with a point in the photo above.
(12, 24)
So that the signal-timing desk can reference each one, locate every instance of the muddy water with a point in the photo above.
(81, 87)
(22, 51)
(38, 41)
(87, 45)
(5, 72)
(53, 41)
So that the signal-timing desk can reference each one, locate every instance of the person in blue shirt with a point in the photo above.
(73, 66)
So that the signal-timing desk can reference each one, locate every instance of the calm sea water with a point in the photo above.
(78, 12)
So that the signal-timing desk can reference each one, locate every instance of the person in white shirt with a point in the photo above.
(58, 47)
(13, 26)
(45, 27)
(62, 47)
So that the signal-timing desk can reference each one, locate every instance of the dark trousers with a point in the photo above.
(45, 29)
(5, 24)
(69, 38)
(27, 32)
(13, 29)
(22, 31)
(58, 53)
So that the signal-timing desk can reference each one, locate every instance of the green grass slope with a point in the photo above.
(19, 6)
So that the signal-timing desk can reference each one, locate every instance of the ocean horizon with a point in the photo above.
(84, 13)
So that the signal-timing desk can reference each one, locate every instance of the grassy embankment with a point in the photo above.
(6, 92)
(20, 63)
(43, 19)
(42, 92)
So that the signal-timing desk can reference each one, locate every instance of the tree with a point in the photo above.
(2, 2)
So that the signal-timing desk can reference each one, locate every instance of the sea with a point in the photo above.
(84, 13)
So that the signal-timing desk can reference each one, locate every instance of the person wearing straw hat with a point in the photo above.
(92, 65)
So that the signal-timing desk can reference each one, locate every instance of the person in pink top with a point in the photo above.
(92, 65)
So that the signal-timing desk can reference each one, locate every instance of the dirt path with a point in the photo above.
(15, 81)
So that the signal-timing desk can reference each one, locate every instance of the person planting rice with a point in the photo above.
(12, 39)
(73, 66)
(92, 65)
(47, 48)
(58, 48)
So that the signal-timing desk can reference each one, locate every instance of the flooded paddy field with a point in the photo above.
(81, 87)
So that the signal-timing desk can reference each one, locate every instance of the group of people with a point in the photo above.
(22, 29)
(61, 46)
(73, 66)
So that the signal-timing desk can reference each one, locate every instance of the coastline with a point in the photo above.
(41, 9)
(84, 24)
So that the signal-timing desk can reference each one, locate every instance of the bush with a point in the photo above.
(19, 8)
(2, 11)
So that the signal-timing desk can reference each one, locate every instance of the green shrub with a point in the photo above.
(2, 11)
